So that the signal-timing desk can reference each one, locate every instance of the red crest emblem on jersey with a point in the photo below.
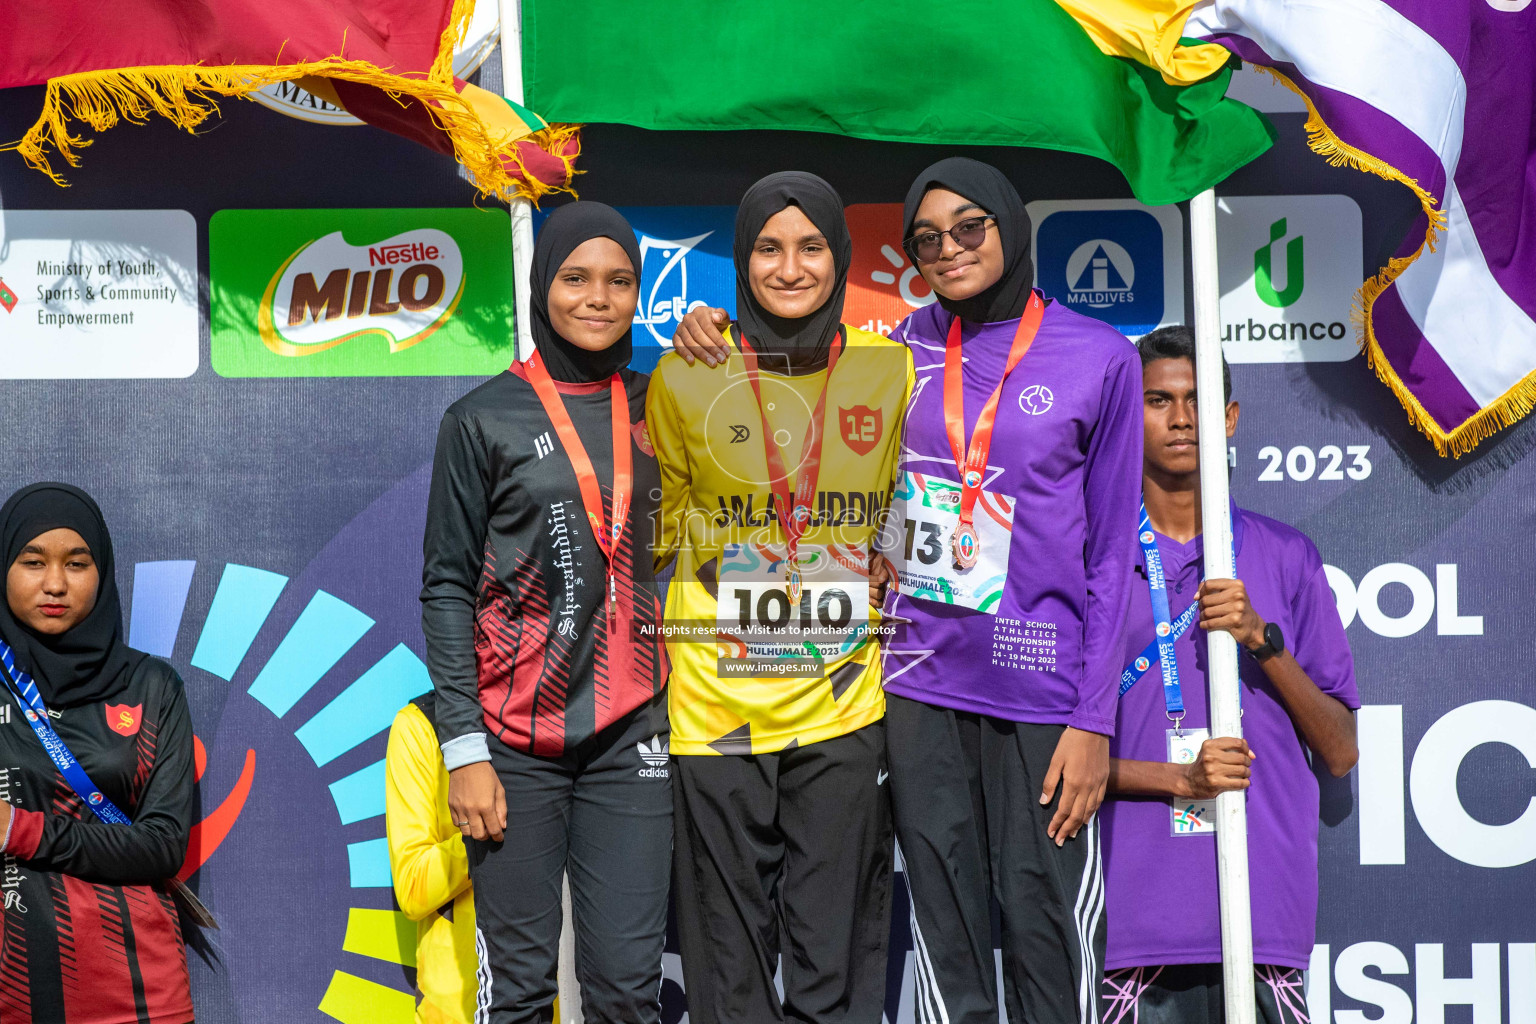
(124, 718)
(861, 427)
(642, 438)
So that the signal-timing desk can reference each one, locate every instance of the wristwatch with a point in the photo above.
(1274, 643)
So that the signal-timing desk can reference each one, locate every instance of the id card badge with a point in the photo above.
(1189, 817)
(917, 541)
(760, 632)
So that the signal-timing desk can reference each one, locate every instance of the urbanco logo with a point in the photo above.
(1114, 260)
(1289, 267)
(360, 293)
(1264, 263)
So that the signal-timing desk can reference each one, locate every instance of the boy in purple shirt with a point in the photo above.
(1298, 691)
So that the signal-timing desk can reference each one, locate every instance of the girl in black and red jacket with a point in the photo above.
(88, 930)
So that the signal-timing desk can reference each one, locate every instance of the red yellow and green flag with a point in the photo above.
(387, 62)
(1109, 78)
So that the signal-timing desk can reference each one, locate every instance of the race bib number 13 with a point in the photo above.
(924, 514)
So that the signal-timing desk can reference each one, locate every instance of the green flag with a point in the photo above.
(968, 72)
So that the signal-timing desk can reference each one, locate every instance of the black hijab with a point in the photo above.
(90, 662)
(989, 188)
(802, 345)
(567, 228)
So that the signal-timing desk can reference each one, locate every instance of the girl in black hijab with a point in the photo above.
(783, 825)
(567, 229)
(86, 899)
(999, 761)
(540, 614)
(800, 344)
(999, 207)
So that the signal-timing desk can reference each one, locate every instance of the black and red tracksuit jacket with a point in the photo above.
(89, 935)
(519, 644)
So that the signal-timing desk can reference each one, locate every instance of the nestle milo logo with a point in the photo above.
(329, 292)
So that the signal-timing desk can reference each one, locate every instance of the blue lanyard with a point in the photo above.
(1157, 587)
(1149, 653)
(1161, 646)
(31, 703)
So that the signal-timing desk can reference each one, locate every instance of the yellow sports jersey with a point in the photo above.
(431, 869)
(718, 522)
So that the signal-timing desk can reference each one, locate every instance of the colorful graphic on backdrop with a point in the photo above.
(360, 293)
(98, 293)
(1287, 267)
(317, 682)
(1112, 259)
(883, 286)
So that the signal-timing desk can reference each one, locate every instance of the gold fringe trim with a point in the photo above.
(185, 96)
(453, 34)
(1510, 406)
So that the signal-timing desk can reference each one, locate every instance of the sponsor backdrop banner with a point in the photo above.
(275, 314)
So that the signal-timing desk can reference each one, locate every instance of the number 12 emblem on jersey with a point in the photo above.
(861, 427)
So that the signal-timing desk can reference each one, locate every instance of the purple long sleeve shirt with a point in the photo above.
(1067, 449)
(1147, 869)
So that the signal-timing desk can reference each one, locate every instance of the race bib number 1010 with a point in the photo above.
(761, 631)
(916, 540)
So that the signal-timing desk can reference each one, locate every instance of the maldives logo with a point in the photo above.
(862, 427)
(1163, 629)
(1142, 664)
(329, 292)
(1100, 274)
(123, 719)
(1146, 536)
(1113, 259)
(8, 298)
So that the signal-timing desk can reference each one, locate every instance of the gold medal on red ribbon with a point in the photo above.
(965, 543)
(793, 511)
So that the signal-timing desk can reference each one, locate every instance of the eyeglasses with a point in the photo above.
(928, 246)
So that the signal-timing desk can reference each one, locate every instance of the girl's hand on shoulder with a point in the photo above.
(701, 335)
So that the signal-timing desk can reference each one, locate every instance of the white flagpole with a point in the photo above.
(522, 261)
(1216, 525)
(522, 209)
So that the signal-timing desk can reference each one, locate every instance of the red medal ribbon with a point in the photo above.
(972, 461)
(586, 477)
(794, 514)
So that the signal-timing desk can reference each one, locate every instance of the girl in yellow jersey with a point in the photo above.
(777, 465)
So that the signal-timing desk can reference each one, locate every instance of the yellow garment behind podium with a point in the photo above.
(431, 869)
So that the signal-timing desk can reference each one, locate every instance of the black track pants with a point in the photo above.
(603, 813)
(965, 791)
(786, 853)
